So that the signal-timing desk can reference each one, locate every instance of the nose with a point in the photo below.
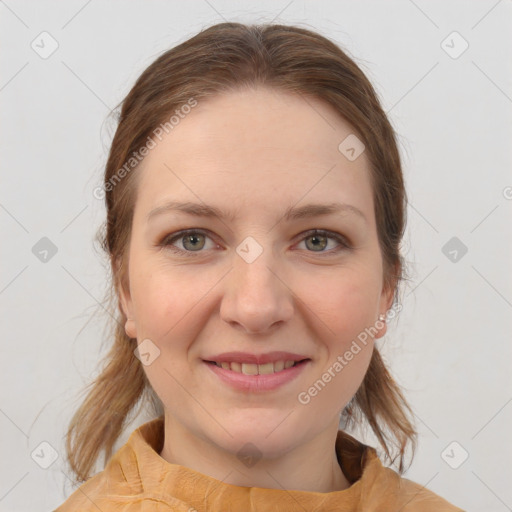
(256, 296)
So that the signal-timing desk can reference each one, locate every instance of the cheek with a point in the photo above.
(172, 308)
(167, 304)
(345, 302)
(164, 297)
(347, 306)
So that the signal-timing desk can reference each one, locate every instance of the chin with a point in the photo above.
(267, 432)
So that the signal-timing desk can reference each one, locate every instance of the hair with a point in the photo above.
(219, 59)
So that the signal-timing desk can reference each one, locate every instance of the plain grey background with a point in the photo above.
(449, 96)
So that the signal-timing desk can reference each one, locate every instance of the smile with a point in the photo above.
(256, 369)
(252, 377)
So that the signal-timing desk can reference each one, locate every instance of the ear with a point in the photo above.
(126, 303)
(385, 303)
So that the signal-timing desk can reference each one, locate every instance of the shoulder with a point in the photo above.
(122, 485)
(381, 489)
(106, 493)
(388, 490)
(85, 498)
(417, 498)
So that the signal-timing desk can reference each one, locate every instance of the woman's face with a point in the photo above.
(252, 285)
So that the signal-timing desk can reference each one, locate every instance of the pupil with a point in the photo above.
(317, 241)
(192, 239)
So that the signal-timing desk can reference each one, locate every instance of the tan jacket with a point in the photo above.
(138, 479)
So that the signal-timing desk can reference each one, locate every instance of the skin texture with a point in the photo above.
(255, 152)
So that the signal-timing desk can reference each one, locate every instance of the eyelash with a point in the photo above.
(167, 241)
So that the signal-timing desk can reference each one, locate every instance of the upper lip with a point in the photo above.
(245, 357)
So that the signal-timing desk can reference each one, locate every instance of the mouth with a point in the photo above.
(258, 369)
(257, 378)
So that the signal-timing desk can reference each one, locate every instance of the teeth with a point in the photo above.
(249, 369)
(278, 366)
(257, 369)
(266, 368)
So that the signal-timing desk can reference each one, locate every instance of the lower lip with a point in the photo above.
(255, 383)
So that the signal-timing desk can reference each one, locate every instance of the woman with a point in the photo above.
(255, 208)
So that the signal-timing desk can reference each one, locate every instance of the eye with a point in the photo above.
(193, 241)
(319, 241)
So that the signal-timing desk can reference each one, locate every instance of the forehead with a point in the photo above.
(255, 147)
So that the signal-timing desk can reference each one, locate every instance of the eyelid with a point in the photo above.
(341, 239)
(168, 239)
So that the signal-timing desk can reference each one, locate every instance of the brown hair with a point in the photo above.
(219, 59)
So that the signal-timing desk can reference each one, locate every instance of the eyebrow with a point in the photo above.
(291, 213)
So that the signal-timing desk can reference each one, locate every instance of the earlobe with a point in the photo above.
(386, 302)
(129, 325)
(129, 328)
(127, 308)
(381, 325)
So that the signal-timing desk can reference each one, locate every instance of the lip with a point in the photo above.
(245, 357)
(257, 383)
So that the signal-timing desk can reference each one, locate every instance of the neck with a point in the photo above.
(323, 472)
